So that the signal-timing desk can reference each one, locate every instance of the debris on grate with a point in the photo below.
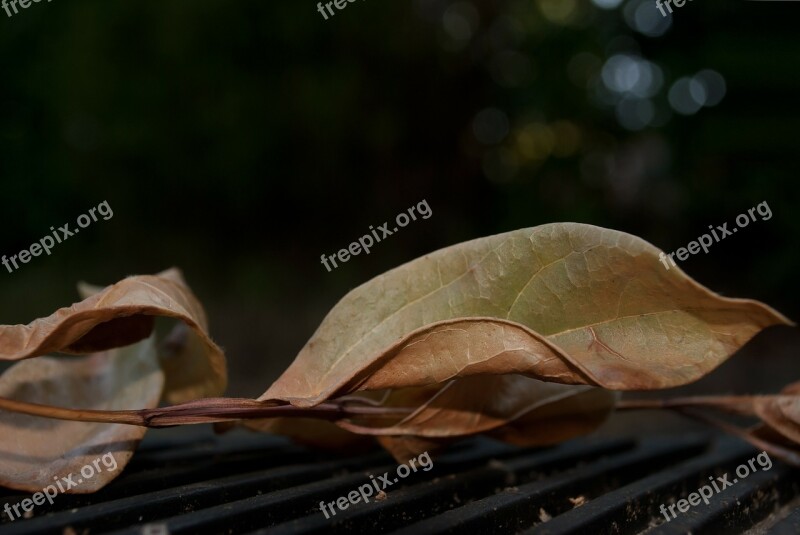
(578, 501)
(543, 516)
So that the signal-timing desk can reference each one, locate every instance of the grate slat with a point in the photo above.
(788, 526)
(744, 504)
(456, 487)
(261, 485)
(633, 507)
(512, 510)
(122, 512)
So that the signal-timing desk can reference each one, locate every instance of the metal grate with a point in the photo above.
(242, 483)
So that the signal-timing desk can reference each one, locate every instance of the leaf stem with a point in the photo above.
(732, 404)
(211, 410)
(775, 450)
(80, 415)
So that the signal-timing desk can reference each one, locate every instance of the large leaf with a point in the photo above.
(564, 302)
(465, 335)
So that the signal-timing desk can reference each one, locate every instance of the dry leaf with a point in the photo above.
(780, 414)
(454, 409)
(120, 315)
(514, 408)
(35, 450)
(566, 303)
(560, 420)
(316, 433)
(778, 433)
(563, 302)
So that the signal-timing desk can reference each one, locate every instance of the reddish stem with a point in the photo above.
(202, 411)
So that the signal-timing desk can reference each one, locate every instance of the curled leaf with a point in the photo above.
(564, 302)
(122, 314)
(122, 373)
(455, 334)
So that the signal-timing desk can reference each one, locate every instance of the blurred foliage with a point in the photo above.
(242, 140)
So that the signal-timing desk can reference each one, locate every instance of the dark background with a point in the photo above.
(242, 140)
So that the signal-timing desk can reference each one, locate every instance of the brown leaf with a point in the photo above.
(122, 314)
(514, 408)
(315, 433)
(792, 389)
(781, 413)
(34, 451)
(778, 433)
(454, 409)
(560, 420)
(564, 302)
